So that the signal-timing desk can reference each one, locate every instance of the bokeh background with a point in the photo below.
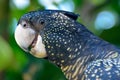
(102, 17)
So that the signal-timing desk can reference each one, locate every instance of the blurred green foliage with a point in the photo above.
(16, 64)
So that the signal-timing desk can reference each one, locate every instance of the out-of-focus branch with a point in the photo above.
(4, 18)
(1, 75)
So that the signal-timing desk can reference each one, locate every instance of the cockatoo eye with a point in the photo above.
(24, 25)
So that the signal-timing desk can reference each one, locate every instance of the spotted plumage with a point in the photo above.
(79, 53)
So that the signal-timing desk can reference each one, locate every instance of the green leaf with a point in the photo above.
(6, 54)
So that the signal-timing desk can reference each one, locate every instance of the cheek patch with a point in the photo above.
(39, 49)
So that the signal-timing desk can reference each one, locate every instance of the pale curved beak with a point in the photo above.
(24, 36)
(27, 39)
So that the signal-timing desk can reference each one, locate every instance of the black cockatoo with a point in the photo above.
(57, 35)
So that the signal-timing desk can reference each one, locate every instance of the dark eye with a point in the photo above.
(42, 22)
(24, 25)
